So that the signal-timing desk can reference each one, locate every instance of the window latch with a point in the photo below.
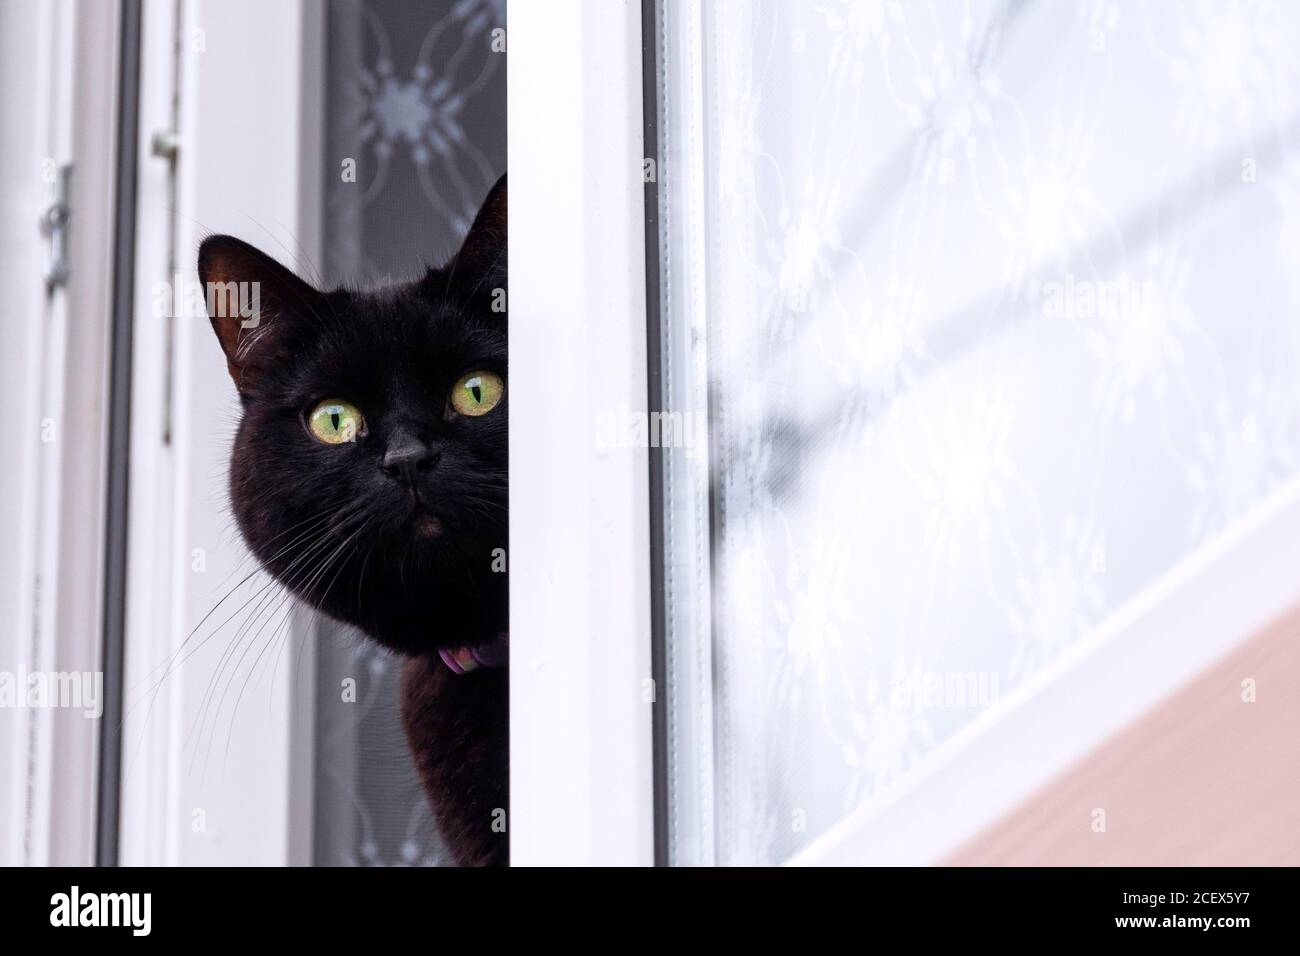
(55, 221)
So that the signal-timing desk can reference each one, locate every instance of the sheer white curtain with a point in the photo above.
(990, 309)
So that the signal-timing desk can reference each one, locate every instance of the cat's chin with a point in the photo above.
(418, 614)
(425, 524)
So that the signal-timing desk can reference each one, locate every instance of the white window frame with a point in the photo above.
(247, 91)
(60, 79)
(580, 680)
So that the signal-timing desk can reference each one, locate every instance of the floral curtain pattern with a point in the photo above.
(1003, 322)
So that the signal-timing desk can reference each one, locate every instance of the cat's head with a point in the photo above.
(369, 469)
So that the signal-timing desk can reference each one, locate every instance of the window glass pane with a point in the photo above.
(988, 311)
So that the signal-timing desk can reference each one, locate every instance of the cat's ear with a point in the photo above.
(482, 256)
(248, 296)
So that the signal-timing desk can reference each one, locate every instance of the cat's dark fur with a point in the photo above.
(396, 533)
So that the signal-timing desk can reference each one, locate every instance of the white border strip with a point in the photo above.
(580, 749)
(1221, 595)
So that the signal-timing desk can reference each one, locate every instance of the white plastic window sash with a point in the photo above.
(580, 679)
(59, 84)
(238, 791)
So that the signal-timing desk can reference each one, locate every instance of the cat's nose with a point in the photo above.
(406, 458)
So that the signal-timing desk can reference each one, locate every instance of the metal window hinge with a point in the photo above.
(165, 144)
(55, 222)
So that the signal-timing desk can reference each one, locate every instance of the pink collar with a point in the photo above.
(462, 660)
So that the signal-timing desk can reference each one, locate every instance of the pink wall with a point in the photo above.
(1203, 778)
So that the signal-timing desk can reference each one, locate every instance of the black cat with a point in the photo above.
(369, 477)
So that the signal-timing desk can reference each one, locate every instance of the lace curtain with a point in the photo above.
(991, 310)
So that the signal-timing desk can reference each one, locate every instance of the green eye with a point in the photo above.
(477, 393)
(335, 421)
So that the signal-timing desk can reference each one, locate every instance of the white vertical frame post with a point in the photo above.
(248, 163)
(60, 83)
(580, 686)
(684, 305)
(24, 33)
